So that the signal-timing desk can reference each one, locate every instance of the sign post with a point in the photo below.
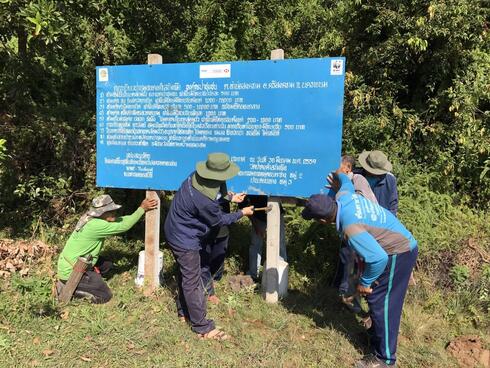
(152, 226)
(273, 270)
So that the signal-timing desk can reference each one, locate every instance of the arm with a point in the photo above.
(339, 182)
(346, 185)
(373, 254)
(121, 225)
(213, 216)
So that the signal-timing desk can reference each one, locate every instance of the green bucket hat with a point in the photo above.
(217, 167)
(375, 162)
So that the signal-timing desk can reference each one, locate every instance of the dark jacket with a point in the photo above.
(386, 193)
(193, 218)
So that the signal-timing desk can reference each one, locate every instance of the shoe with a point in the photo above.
(79, 294)
(371, 361)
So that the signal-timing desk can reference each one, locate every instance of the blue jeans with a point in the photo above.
(257, 233)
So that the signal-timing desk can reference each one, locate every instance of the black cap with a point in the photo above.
(319, 206)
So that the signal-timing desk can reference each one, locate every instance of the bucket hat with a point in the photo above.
(375, 162)
(217, 167)
(101, 205)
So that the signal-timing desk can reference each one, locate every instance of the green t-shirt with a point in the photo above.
(90, 238)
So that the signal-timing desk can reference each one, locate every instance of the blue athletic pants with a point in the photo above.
(386, 302)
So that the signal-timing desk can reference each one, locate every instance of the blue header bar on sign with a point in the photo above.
(279, 120)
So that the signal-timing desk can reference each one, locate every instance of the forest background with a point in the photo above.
(417, 87)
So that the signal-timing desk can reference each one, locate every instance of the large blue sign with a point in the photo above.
(279, 120)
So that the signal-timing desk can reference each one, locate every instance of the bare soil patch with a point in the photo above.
(469, 352)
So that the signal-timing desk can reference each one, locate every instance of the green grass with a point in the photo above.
(308, 328)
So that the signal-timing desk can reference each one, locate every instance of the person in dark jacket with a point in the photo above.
(389, 252)
(213, 252)
(377, 170)
(192, 222)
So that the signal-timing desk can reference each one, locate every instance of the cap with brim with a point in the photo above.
(375, 162)
(319, 206)
(101, 205)
(217, 167)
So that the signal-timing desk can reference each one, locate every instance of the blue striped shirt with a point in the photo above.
(371, 230)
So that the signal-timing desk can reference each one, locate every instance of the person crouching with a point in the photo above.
(98, 223)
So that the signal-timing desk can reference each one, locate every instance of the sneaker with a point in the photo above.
(371, 362)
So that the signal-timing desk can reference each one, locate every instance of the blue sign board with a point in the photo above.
(279, 120)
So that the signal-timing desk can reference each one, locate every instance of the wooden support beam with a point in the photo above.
(152, 226)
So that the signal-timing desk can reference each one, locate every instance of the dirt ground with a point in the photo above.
(469, 352)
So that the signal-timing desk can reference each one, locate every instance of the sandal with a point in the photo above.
(215, 335)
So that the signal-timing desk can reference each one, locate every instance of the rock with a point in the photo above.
(239, 282)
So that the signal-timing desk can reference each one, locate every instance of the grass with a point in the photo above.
(308, 328)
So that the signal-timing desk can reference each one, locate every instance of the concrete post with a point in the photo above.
(276, 270)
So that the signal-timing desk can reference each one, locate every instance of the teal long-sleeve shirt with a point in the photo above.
(90, 239)
(372, 231)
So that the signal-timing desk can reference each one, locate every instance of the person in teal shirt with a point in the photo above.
(389, 252)
(98, 223)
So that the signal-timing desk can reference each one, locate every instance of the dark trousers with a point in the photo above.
(346, 269)
(93, 287)
(212, 262)
(191, 299)
(386, 302)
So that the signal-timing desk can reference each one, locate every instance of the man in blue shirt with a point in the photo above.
(389, 252)
(377, 170)
(193, 221)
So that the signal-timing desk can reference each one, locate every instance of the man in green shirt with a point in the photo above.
(98, 223)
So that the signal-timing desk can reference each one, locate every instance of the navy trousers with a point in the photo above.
(212, 262)
(347, 268)
(386, 302)
(191, 301)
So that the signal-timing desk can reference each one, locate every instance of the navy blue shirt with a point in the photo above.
(386, 193)
(193, 218)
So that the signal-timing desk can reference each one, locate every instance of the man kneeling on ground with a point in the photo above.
(389, 252)
(98, 223)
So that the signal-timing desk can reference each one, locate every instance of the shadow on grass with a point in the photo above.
(122, 260)
(326, 311)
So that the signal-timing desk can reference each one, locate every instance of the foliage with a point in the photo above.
(459, 274)
(417, 84)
